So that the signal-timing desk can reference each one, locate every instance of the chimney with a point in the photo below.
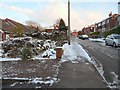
(110, 14)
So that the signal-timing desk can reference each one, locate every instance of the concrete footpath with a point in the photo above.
(79, 75)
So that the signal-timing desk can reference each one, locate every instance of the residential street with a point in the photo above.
(57, 44)
(106, 55)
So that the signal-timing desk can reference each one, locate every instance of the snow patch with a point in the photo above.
(13, 84)
(1, 52)
(10, 59)
(48, 81)
(97, 40)
(74, 53)
(114, 84)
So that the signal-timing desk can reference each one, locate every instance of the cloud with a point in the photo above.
(55, 10)
(25, 11)
(51, 13)
(59, 9)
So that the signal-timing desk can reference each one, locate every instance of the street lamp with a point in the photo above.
(69, 22)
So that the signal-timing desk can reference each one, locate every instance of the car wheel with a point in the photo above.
(114, 44)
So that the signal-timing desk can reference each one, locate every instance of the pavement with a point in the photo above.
(79, 75)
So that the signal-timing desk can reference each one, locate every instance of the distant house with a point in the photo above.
(51, 30)
(86, 30)
(75, 33)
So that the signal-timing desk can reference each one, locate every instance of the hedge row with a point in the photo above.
(112, 31)
(95, 33)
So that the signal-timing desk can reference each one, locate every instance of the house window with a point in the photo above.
(103, 24)
(118, 19)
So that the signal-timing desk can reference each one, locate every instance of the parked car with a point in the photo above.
(83, 37)
(113, 39)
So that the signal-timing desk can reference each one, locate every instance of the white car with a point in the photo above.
(83, 37)
(113, 39)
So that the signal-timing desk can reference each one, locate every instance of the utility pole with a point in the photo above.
(69, 22)
(119, 7)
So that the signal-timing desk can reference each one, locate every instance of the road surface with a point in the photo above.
(106, 55)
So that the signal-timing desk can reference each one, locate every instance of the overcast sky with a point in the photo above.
(46, 12)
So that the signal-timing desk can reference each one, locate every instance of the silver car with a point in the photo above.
(113, 39)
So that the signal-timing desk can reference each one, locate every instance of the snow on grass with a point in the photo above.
(13, 84)
(16, 78)
(38, 58)
(97, 40)
(73, 53)
(10, 59)
(69, 52)
(1, 52)
(48, 80)
(20, 38)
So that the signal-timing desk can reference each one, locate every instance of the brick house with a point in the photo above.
(108, 23)
(7, 25)
(89, 29)
(118, 20)
(104, 25)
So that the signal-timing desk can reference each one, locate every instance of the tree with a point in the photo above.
(26, 53)
(62, 25)
(80, 32)
(57, 23)
(35, 25)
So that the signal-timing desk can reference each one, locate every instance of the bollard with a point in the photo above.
(59, 52)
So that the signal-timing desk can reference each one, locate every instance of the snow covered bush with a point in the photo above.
(50, 53)
(6, 47)
(28, 47)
